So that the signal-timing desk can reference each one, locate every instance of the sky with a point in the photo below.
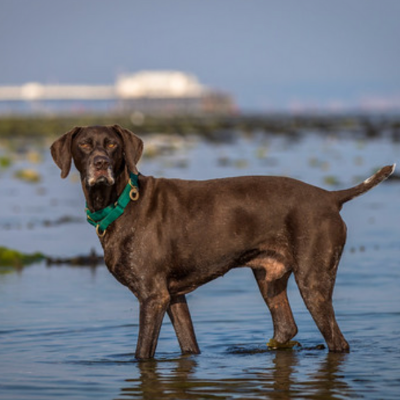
(269, 55)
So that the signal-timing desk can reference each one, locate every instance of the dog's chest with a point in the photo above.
(118, 259)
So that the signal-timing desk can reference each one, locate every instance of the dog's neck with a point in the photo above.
(101, 195)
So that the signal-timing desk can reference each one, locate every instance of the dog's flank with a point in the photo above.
(181, 234)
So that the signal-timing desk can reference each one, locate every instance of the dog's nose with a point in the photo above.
(101, 163)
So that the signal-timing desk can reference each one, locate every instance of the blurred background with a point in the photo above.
(308, 89)
(260, 57)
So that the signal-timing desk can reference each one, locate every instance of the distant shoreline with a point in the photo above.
(364, 126)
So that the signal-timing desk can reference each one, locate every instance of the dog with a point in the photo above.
(171, 236)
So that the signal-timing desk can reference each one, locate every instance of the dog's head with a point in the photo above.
(100, 153)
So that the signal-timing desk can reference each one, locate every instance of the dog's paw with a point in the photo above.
(275, 345)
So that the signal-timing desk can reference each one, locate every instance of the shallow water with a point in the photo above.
(71, 331)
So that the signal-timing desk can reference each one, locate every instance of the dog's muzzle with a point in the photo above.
(100, 171)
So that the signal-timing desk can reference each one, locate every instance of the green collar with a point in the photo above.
(103, 218)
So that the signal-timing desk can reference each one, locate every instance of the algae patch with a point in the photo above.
(14, 258)
(28, 175)
(5, 162)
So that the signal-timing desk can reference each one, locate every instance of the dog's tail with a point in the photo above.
(345, 195)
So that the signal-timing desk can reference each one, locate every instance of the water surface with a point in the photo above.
(71, 331)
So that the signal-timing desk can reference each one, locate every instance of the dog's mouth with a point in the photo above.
(100, 177)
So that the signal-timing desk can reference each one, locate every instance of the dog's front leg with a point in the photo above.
(179, 314)
(152, 310)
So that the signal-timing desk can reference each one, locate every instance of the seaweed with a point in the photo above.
(5, 162)
(212, 127)
(14, 258)
(27, 175)
(90, 260)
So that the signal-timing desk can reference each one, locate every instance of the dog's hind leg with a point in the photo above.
(179, 314)
(275, 296)
(317, 262)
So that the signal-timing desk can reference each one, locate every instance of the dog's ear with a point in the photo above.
(61, 151)
(133, 147)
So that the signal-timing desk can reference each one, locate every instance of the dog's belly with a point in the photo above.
(186, 282)
(183, 280)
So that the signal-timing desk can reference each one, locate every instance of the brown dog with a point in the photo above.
(177, 235)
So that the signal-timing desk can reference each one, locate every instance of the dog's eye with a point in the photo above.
(111, 145)
(84, 145)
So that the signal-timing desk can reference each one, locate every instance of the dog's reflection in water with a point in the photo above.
(279, 379)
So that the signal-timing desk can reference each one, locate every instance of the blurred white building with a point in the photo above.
(159, 84)
(171, 92)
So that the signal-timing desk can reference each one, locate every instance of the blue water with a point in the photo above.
(70, 332)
